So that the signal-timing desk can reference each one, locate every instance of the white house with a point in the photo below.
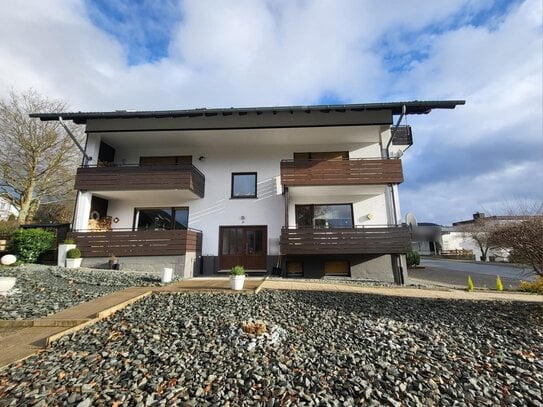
(7, 209)
(312, 190)
(456, 238)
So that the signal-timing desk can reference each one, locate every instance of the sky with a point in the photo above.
(101, 55)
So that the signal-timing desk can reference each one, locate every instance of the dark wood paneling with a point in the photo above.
(378, 240)
(138, 243)
(134, 178)
(403, 136)
(341, 172)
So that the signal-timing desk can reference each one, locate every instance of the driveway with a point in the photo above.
(453, 272)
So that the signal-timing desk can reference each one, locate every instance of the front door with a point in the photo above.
(243, 245)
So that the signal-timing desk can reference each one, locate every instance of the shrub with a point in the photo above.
(30, 243)
(69, 240)
(73, 253)
(7, 229)
(237, 271)
(471, 286)
(499, 284)
(413, 259)
(533, 287)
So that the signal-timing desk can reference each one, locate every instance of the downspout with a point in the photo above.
(404, 109)
(86, 158)
(395, 129)
(396, 258)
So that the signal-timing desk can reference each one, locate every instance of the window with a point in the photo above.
(243, 185)
(161, 218)
(324, 216)
(337, 268)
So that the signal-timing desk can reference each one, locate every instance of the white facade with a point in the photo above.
(219, 153)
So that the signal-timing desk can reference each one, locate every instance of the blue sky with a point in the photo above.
(168, 54)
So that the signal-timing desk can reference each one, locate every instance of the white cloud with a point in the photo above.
(249, 52)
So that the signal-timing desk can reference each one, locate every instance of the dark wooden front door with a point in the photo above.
(243, 245)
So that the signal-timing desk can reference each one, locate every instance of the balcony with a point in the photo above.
(358, 240)
(129, 243)
(353, 171)
(141, 178)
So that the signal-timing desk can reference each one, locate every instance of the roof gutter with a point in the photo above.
(68, 131)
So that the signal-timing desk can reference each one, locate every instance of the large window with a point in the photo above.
(244, 185)
(161, 218)
(324, 216)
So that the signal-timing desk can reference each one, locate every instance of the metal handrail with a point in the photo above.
(388, 225)
(291, 160)
(133, 230)
(165, 166)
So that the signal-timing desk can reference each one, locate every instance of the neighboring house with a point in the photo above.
(455, 237)
(312, 190)
(426, 238)
(7, 209)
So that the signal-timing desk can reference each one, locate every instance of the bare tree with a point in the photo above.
(524, 241)
(37, 159)
(480, 231)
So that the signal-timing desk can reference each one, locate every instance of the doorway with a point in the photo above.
(243, 245)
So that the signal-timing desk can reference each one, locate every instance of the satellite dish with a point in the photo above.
(410, 220)
(399, 154)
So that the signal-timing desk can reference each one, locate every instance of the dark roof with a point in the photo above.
(413, 107)
(496, 218)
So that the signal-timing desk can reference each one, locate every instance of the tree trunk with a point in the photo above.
(26, 203)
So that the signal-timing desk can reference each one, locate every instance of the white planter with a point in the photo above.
(73, 263)
(6, 284)
(167, 275)
(236, 282)
(62, 249)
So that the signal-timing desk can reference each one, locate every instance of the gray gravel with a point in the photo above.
(43, 290)
(336, 349)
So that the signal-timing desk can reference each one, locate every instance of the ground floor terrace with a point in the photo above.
(371, 252)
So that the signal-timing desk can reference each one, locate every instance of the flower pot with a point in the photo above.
(73, 263)
(62, 250)
(6, 284)
(236, 282)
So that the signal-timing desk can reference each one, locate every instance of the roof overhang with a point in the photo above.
(351, 114)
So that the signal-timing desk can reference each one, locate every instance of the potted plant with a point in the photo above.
(73, 258)
(63, 248)
(237, 278)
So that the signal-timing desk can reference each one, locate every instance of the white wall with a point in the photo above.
(224, 157)
(362, 206)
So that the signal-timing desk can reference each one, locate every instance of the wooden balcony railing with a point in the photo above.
(359, 240)
(136, 178)
(341, 172)
(127, 243)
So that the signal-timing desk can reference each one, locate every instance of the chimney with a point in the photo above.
(478, 215)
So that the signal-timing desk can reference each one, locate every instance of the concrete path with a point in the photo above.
(17, 344)
(276, 284)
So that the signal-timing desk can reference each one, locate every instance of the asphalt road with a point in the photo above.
(456, 273)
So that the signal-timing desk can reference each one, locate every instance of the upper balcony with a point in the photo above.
(353, 171)
(141, 178)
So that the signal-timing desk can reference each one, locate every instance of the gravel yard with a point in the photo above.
(321, 349)
(44, 290)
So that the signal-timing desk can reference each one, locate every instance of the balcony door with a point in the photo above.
(243, 245)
